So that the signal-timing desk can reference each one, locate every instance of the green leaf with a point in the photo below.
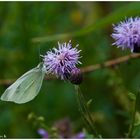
(127, 10)
(132, 96)
(89, 102)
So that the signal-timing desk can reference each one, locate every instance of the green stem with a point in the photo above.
(130, 133)
(85, 111)
(82, 110)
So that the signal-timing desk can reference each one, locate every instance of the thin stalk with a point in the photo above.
(83, 114)
(85, 111)
(86, 108)
(130, 133)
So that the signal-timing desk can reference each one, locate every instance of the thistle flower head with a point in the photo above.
(127, 34)
(62, 60)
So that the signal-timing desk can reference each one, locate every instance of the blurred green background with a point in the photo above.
(28, 29)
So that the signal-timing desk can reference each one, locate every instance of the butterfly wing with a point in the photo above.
(26, 87)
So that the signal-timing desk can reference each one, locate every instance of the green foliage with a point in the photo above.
(136, 132)
(132, 96)
(28, 29)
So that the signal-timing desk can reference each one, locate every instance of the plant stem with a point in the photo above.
(130, 133)
(85, 111)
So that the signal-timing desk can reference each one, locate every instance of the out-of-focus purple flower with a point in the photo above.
(43, 133)
(80, 135)
(62, 60)
(64, 127)
(127, 34)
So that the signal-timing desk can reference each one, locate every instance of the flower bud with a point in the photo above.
(76, 76)
(136, 48)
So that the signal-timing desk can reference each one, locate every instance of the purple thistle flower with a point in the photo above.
(61, 61)
(127, 34)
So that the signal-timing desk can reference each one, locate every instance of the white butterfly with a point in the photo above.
(26, 87)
